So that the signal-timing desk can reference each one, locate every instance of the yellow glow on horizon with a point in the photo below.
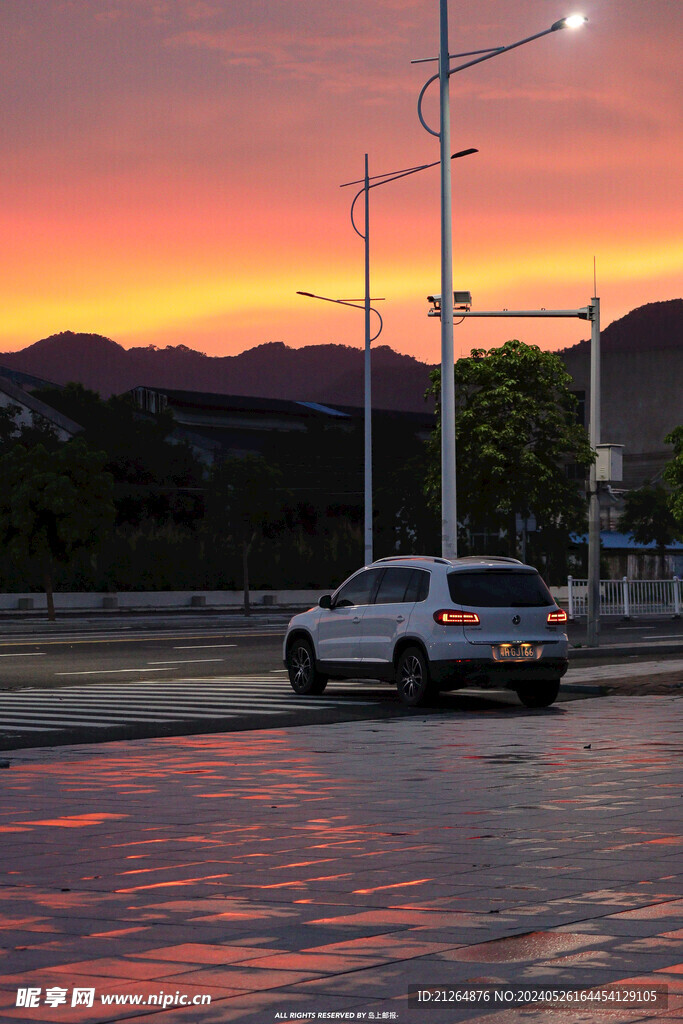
(178, 302)
(157, 306)
(558, 267)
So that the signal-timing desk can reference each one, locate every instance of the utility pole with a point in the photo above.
(593, 495)
(449, 518)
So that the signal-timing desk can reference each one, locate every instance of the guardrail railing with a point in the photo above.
(627, 597)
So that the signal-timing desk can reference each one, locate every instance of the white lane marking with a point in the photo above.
(25, 728)
(18, 725)
(96, 723)
(17, 640)
(26, 654)
(190, 686)
(665, 636)
(100, 723)
(185, 661)
(202, 647)
(152, 686)
(211, 699)
(101, 719)
(109, 671)
(96, 713)
(81, 702)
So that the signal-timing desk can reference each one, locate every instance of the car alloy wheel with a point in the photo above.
(303, 676)
(412, 677)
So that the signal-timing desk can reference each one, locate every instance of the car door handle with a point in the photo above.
(400, 618)
(356, 620)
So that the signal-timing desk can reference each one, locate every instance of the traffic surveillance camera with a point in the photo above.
(436, 305)
(461, 302)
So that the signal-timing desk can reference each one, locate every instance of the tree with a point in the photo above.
(53, 504)
(155, 479)
(8, 425)
(517, 431)
(244, 500)
(648, 517)
(673, 474)
(13, 432)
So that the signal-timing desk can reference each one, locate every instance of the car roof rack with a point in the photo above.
(489, 558)
(413, 558)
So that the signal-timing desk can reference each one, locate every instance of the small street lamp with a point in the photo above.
(367, 183)
(355, 304)
(449, 521)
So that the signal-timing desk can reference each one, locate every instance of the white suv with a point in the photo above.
(431, 624)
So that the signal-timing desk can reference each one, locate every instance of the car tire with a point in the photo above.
(412, 677)
(304, 678)
(539, 695)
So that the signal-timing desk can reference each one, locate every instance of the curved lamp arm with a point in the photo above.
(574, 21)
(434, 78)
(353, 305)
(353, 223)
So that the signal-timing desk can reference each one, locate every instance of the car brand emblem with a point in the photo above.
(516, 619)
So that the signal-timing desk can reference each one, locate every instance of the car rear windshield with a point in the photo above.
(499, 588)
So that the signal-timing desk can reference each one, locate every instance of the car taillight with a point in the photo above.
(559, 615)
(451, 617)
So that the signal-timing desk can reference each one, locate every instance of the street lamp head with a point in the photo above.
(464, 152)
(572, 21)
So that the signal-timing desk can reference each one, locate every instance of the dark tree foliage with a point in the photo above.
(52, 504)
(516, 432)
(403, 522)
(245, 502)
(13, 432)
(648, 517)
(673, 474)
(154, 478)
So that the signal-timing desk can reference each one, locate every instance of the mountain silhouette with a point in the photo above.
(655, 326)
(322, 373)
(330, 374)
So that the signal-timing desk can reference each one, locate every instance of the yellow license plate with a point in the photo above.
(516, 652)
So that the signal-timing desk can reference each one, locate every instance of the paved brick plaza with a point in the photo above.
(324, 869)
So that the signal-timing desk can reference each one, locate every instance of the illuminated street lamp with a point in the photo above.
(449, 521)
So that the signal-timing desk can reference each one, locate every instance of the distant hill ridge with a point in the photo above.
(656, 325)
(322, 373)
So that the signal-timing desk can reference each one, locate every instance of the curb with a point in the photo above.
(593, 689)
(623, 651)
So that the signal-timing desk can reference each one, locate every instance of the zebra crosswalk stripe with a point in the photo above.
(100, 706)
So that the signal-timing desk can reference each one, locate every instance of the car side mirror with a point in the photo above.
(325, 601)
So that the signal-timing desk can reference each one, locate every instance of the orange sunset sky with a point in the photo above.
(171, 168)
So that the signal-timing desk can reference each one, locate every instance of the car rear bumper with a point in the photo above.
(455, 673)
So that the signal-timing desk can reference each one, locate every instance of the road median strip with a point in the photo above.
(624, 679)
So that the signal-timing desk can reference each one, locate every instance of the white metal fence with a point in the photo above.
(628, 597)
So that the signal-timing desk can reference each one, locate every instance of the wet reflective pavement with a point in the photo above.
(322, 870)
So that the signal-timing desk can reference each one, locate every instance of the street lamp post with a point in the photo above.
(593, 494)
(449, 520)
(368, 183)
(367, 441)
